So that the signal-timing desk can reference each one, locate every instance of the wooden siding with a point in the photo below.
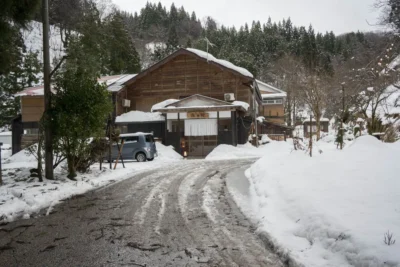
(273, 112)
(181, 77)
(32, 108)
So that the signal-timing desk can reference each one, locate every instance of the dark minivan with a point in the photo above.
(139, 146)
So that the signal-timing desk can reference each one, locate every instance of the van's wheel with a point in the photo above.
(150, 159)
(141, 157)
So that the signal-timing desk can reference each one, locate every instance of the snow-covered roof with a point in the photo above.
(139, 116)
(360, 120)
(6, 133)
(221, 62)
(273, 96)
(261, 118)
(163, 104)
(114, 84)
(32, 91)
(313, 119)
(264, 87)
(117, 82)
(241, 103)
(202, 102)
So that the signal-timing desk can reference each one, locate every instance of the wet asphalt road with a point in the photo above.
(180, 215)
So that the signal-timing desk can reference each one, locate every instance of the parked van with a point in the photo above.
(139, 146)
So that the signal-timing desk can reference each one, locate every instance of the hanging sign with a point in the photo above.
(197, 115)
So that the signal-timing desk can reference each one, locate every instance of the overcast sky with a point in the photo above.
(340, 16)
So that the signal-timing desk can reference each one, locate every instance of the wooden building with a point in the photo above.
(203, 102)
(312, 127)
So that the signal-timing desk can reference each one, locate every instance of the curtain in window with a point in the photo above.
(201, 127)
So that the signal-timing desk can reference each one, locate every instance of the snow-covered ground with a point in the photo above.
(332, 209)
(22, 196)
(247, 150)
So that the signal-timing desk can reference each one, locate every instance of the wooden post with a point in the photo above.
(120, 154)
(165, 129)
(109, 143)
(1, 175)
(48, 136)
(310, 134)
(233, 122)
(217, 127)
(341, 122)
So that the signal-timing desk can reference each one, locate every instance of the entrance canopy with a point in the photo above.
(201, 103)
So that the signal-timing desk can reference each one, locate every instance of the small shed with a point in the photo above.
(312, 126)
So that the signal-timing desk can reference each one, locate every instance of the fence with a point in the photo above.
(277, 137)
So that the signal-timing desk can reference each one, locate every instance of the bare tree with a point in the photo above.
(313, 91)
(286, 72)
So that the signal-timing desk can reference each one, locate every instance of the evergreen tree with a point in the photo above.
(23, 74)
(122, 56)
(14, 15)
(80, 109)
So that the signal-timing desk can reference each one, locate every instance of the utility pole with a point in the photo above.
(1, 175)
(48, 137)
(341, 122)
(255, 112)
(310, 131)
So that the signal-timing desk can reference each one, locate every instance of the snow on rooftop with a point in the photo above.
(32, 91)
(261, 119)
(163, 104)
(313, 119)
(222, 62)
(6, 133)
(360, 120)
(264, 87)
(139, 116)
(275, 95)
(242, 104)
(114, 83)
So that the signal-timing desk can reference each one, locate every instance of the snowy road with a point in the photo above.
(181, 215)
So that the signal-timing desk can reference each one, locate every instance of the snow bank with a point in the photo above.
(5, 152)
(22, 159)
(246, 150)
(166, 153)
(163, 104)
(222, 62)
(331, 210)
(139, 116)
(22, 196)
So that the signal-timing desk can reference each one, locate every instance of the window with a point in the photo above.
(123, 129)
(32, 131)
(132, 139)
(149, 138)
(273, 101)
(314, 128)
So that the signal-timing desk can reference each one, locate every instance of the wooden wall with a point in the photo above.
(274, 110)
(181, 77)
(32, 108)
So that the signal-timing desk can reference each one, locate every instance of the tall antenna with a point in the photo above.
(208, 43)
